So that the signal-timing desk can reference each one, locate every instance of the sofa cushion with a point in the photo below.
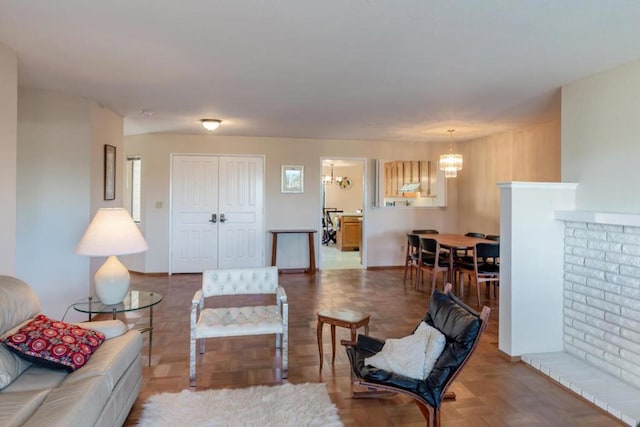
(237, 321)
(77, 404)
(16, 408)
(109, 328)
(18, 301)
(112, 359)
(54, 344)
(10, 366)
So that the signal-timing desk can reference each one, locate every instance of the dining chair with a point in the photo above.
(472, 234)
(425, 231)
(485, 268)
(331, 229)
(462, 256)
(495, 238)
(431, 259)
(412, 255)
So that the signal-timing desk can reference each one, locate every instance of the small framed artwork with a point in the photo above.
(109, 172)
(292, 180)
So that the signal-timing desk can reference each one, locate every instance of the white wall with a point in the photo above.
(8, 152)
(106, 127)
(530, 154)
(600, 139)
(59, 171)
(386, 228)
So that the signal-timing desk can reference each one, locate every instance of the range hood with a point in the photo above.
(410, 188)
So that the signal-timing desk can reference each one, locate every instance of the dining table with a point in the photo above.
(454, 243)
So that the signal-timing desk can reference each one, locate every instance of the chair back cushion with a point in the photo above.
(260, 280)
(414, 241)
(488, 250)
(429, 245)
(461, 326)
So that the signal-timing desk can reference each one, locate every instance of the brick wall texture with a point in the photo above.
(602, 297)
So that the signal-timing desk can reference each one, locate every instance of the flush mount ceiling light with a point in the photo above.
(451, 163)
(210, 124)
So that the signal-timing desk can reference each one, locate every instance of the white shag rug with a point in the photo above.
(277, 406)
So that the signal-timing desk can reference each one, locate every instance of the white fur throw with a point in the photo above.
(413, 356)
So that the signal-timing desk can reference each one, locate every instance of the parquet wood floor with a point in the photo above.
(490, 391)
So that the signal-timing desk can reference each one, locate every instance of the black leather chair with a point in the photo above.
(462, 327)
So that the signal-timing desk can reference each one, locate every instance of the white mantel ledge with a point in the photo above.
(611, 218)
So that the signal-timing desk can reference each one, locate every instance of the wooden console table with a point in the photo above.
(312, 252)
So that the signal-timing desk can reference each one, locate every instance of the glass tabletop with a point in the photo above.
(135, 300)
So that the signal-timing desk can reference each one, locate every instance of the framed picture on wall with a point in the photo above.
(292, 180)
(109, 172)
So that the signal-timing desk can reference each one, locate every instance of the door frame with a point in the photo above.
(264, 198)
(365, 205)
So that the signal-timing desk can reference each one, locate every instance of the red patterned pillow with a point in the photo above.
(54, 344)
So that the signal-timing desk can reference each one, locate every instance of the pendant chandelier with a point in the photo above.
(451, 163)
(330, 179)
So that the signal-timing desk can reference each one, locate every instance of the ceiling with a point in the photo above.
(404, 70)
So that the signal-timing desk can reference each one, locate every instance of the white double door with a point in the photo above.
(217, 212)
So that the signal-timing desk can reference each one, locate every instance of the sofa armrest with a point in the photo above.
(110, 328)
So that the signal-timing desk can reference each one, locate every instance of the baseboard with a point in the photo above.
(139, 273)
(508, 357)
(292, 270)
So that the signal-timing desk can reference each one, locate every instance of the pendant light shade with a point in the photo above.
(330, 179)
(451, 163)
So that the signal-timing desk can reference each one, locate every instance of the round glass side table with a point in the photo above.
(135, 300)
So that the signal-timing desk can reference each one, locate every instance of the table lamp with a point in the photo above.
(112, 232)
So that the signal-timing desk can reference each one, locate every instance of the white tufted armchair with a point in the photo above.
(238, 321)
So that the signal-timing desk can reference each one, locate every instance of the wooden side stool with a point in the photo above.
(345, 319)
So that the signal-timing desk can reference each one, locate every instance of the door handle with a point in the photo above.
(214, 218)
(222, 218)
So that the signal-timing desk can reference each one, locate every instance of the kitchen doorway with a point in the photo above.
(342, 214)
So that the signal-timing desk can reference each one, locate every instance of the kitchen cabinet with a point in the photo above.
(348, 234)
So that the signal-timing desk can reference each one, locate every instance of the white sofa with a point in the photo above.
(100, 393)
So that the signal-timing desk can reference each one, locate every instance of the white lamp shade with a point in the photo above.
(111, 232)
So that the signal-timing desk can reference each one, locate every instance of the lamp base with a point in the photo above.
(112, 281)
